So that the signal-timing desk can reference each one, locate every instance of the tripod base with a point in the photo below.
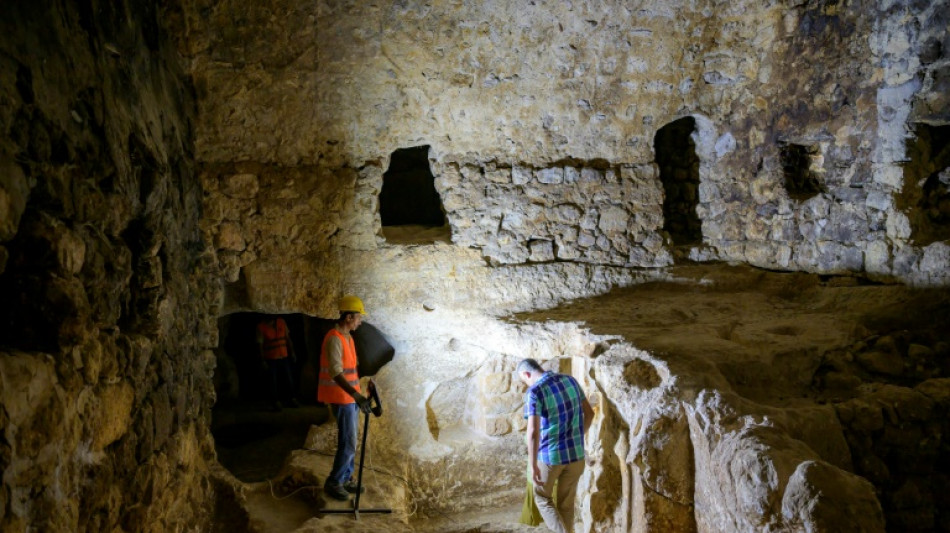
(356, 511)
(359, 483)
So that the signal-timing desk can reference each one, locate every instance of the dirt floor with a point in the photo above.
(265, 450)
(775, 335)
(253, 442)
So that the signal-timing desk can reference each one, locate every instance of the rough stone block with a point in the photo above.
(518, 422)
(502, 175)
(591, 176)
(613, 219)
(820, 497)
(114, 414)
(920, 352)
(70, 251)
(887, 363)
(496, 426)
(551, 176)
(890, 176)
(501, 404)
(496, 382)
(521, 175)
(541, 251)
(571, 175)
(243, 186)
(14, 191)
(230, 237)
(879, 200)
(877, 257)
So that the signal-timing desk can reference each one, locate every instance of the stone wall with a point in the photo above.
(580, 211)
(565, 86)
(108, 299)
(847, 82)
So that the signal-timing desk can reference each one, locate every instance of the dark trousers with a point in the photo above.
(281, 379)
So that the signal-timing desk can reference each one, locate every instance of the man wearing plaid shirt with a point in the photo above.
(558, 416)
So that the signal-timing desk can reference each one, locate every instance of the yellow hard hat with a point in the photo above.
(352, 304)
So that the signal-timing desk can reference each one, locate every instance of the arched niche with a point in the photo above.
(679, 164)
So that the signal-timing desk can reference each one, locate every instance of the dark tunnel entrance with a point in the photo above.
(252, 435)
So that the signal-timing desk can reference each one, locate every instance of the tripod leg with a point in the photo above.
(359, 477)
(359, 481)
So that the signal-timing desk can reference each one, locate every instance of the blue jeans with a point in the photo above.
(347, 415)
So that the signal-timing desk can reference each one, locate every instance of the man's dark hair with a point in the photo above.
(344, 315)
(529, 364)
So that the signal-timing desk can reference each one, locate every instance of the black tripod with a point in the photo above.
(377, 409)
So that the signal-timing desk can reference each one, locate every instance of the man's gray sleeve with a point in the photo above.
(334, 356)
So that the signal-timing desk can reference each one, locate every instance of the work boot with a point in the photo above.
(350, 486)
(337, 492)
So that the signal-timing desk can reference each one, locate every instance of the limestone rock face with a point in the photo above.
(107, 301)
(692, 456)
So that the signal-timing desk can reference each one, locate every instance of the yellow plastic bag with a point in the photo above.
(529, 510)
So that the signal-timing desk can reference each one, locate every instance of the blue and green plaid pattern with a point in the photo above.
(558, 400)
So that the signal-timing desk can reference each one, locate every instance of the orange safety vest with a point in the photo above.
(274, 339)
(327, 390)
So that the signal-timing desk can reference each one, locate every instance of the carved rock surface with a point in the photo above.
(105, 389)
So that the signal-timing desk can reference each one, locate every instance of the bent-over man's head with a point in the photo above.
(529, 371)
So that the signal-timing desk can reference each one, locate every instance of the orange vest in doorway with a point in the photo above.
(274, 339)
(327, 389)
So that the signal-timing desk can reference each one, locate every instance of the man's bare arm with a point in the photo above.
(534, 440)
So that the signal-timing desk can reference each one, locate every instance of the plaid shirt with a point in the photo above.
(558, 400)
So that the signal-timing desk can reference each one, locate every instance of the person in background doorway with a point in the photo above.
(338, 386)
(558, 415)
(277, 357)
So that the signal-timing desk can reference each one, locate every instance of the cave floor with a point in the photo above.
(775, 335)
(253, 442)
(260, 447)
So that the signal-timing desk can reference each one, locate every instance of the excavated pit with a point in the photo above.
(788, 344)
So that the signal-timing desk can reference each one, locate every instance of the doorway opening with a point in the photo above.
(679, 172)
(925, 197)
(252, 435)
(410, 207)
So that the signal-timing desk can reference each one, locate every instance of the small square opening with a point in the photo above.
(410, 207)
(802, 181)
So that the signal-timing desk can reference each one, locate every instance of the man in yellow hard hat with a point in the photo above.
(338, 386)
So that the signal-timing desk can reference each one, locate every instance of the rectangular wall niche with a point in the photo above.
(801, 171)
(410, 208)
